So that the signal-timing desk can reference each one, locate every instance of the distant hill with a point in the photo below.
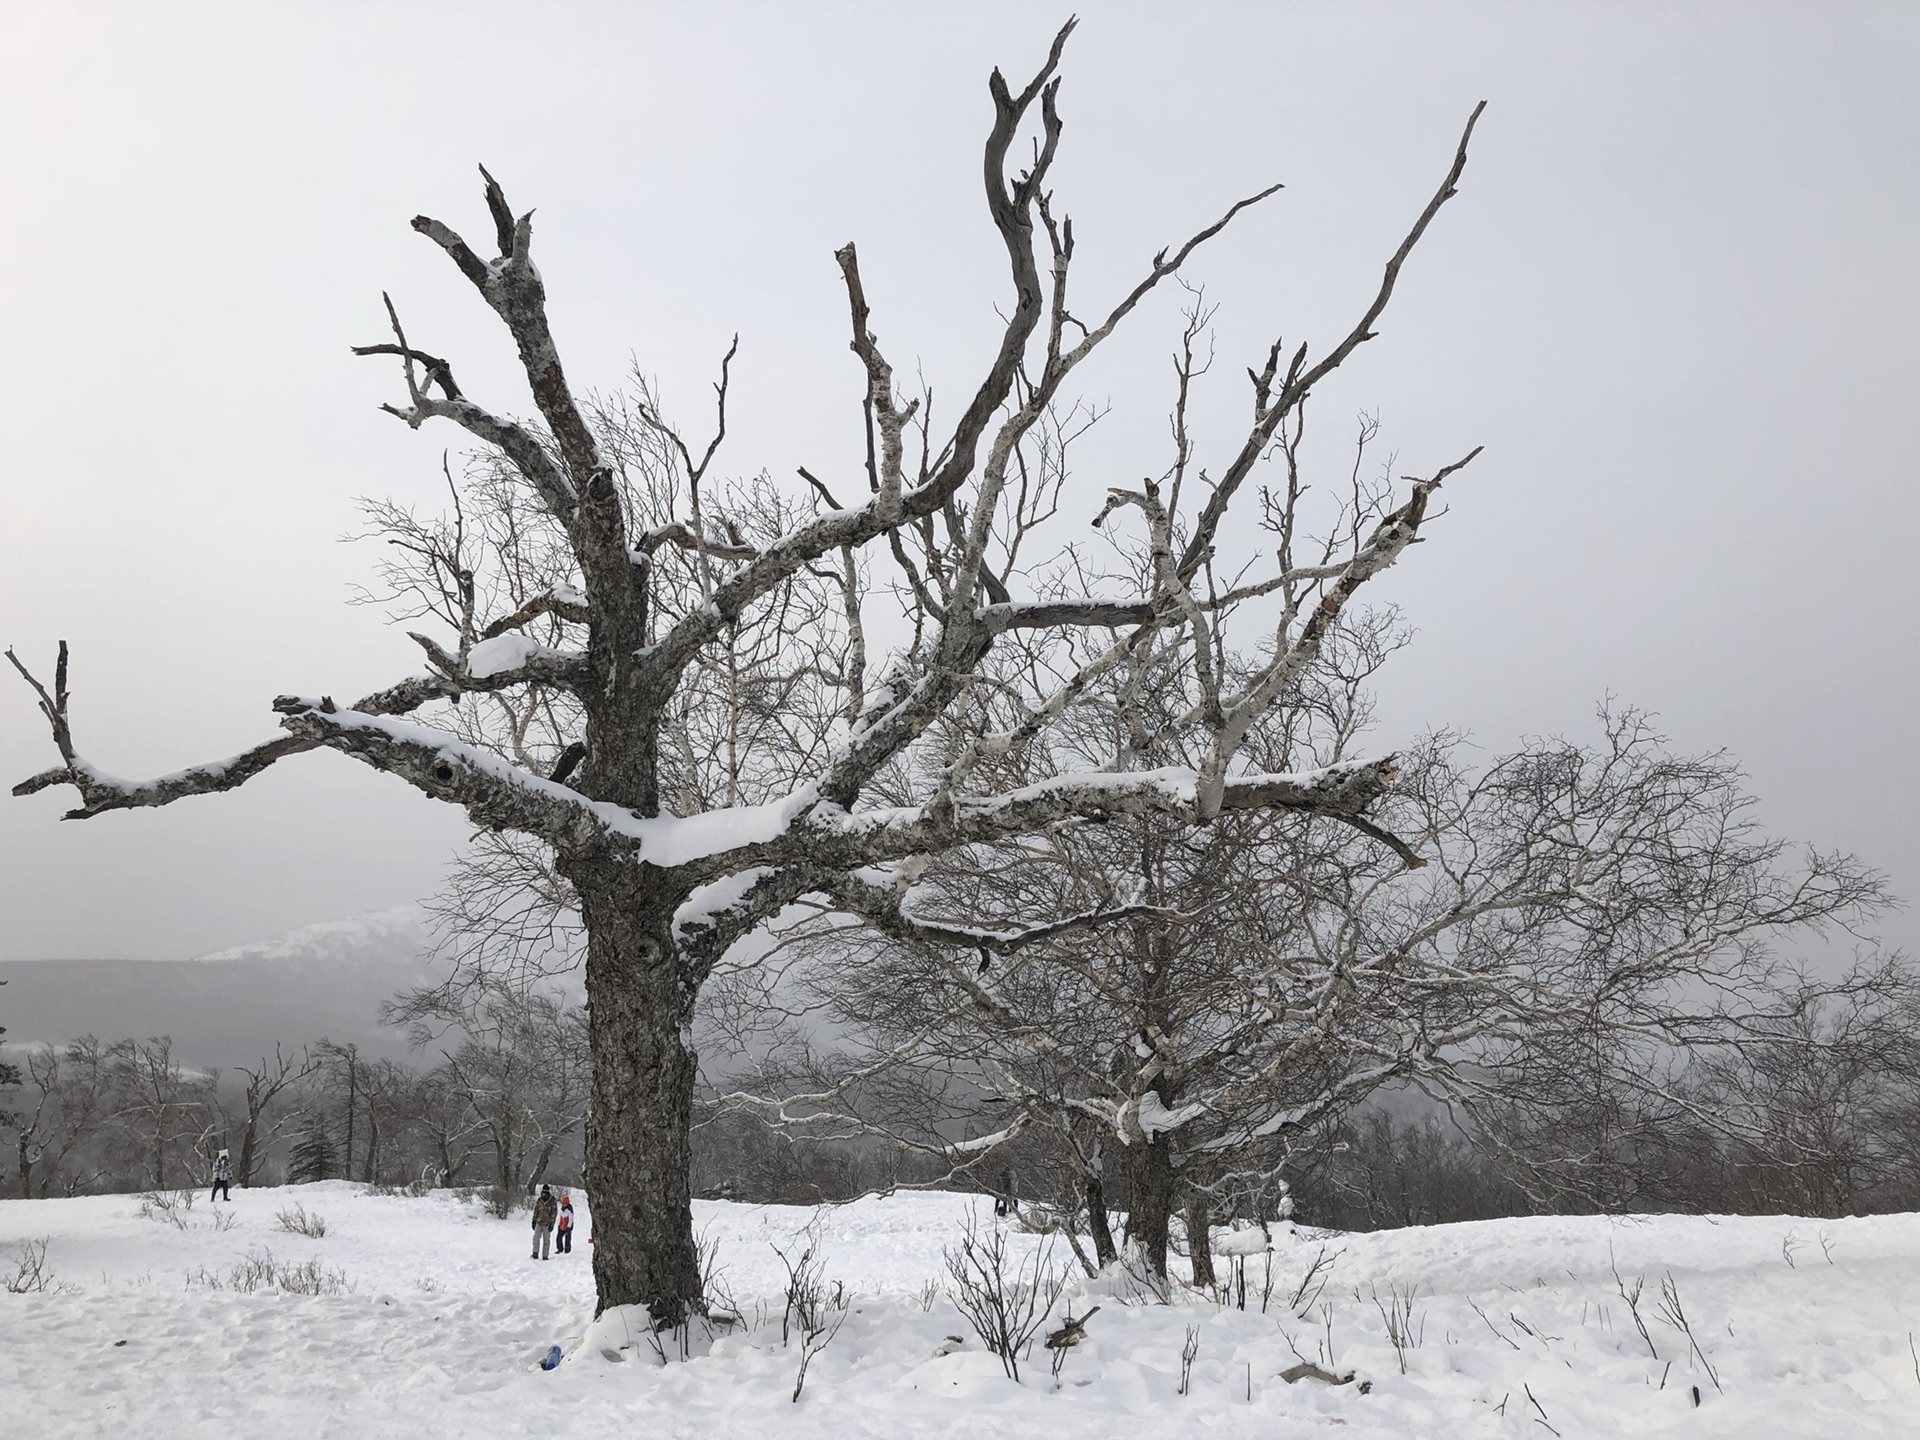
(230, 1007)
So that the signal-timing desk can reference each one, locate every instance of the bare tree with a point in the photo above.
(451, 1133)
(1802, 1103)
(515, 1057)
(693, 800)
(1574, 901)
(267, 1083)
(161, 1109)
(66, 1102)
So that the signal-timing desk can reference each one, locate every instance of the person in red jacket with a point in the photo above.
(563, 1236)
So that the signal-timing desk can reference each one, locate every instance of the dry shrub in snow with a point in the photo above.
(500, 1200)
(816, 1338)
(1405, 1330)
(296, 1219)
(259, 1270)
(30, 1273)
(172, 1206)
(1006, 1302)
(807, 1303)
(1189, 1351)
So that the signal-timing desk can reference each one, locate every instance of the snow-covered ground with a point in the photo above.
(1518, 1328)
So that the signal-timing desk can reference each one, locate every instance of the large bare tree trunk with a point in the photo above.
(1149, 1217)
(1199, 1238)
(1104, 1252)
(249, 1140)
(638, 1161)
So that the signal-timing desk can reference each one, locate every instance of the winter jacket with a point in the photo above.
(566, 1215)
(545, 1210)
(222, 1169)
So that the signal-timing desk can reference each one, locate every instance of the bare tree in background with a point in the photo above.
(67, 1098)
(263, 1111)
(161, 1110)
(664, 683)
(516, 1059)
(1612, 900)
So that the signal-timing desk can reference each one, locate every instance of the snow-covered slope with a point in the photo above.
(1517, 1326)
(382, 937)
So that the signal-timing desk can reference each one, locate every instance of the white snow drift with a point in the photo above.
(430, 1320)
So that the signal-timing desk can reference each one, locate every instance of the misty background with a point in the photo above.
(1675, 300)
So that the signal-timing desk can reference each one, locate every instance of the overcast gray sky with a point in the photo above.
(1676, 300)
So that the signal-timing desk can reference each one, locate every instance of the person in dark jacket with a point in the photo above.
(222, 1180)
(563, 1235)
(545, 1211)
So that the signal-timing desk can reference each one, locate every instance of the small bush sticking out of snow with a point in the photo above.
(31, 1276)
(812, 1342)
(500, 1200)
(296, 1219)
(806, 1286)
(722, 1308)
(1005, 1305)
(1405, 1330)
(261, 1271)
(171, 1206)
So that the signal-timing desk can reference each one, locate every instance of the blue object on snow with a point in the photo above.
(552, 1362)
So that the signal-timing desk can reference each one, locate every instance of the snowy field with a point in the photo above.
(439, 1318)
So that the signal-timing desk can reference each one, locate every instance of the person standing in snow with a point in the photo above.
(563, 1236)
(1007, 1202)
(222, 1180)
(545, 1211)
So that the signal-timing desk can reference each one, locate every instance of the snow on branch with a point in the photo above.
(886, 910)
(494, 792)
(1342, 790)
(101, 792)
(505, 660)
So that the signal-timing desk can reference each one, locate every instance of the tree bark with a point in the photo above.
(1200, 1238)
(1104, 1251)
(353, 1091)
(248, 1137)
(638, 1152)
(1150, 1215)
(368, 1172)
(544, 1159)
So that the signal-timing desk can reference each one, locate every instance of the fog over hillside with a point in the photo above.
(231, 1006)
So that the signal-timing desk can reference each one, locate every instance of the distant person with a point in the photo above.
(222, 1180)
(545, 1211)
(1007, 1202)
(563, 1237)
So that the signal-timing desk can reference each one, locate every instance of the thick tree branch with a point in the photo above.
(101, 792)
(567, 604)
(494, 793)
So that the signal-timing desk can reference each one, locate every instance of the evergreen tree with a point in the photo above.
(314, 1158)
